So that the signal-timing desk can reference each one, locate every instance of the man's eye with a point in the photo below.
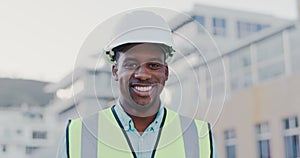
(155, 66)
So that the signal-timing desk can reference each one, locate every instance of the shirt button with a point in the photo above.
(152, 129)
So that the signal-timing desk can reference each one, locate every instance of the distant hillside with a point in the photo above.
(14, 92)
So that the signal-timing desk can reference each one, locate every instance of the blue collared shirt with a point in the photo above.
(142, 144)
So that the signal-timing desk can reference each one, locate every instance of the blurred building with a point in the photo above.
(260, 117)
(81, 93)
(25, 127)
(225, 28)
(201, 38)
(249, 92)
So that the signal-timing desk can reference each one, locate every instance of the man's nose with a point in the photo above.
(142, 73)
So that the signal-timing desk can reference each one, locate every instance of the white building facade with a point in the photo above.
(249, 92)
(24, 131)
(260, 115)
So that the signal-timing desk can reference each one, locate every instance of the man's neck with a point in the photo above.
(141, 123)
(141, 118)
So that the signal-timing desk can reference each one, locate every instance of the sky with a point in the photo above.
(40, 39)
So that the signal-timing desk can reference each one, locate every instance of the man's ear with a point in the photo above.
(114, 70)
(166, 72)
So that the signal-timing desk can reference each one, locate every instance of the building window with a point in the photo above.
(199, 19)
(39, 135)
(295, 49)
(270, 58)
(219, 26)
(291, 137)
(263, 140)
(271, 70)
(240, 69)
(215, 81)
(230, 143)
(270, 48)
(30, 149)
(245, 29)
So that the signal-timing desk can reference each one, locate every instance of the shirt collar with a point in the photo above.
(128, 123)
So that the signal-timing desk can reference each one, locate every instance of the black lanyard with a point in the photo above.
(127, 138)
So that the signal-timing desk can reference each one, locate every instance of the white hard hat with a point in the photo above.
(140, 27)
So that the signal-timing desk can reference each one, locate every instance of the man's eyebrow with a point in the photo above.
(129, 59)
(155, 60)
(149, 60)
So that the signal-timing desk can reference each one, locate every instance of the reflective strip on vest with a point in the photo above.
(97, 137)
(191, 145)
(89, 136)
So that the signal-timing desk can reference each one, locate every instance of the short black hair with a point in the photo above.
(122, 48)
(168, 51)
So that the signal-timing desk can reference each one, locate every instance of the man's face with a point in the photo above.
(141, 73)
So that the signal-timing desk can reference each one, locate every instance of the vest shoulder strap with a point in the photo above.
(191, 130)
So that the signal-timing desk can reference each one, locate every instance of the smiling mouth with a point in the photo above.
(142, 88)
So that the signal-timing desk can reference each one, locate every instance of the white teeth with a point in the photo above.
(143, 89)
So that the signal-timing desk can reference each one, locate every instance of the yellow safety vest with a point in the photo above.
(102, 136)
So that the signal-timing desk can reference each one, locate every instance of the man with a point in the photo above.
(139, 125)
